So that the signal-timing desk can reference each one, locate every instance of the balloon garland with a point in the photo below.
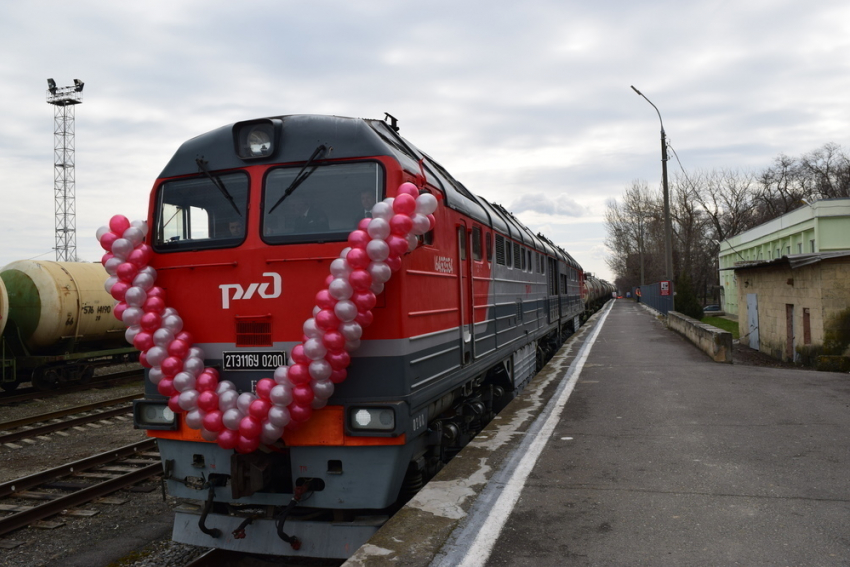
(242, 421)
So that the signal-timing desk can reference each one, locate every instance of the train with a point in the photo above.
(56, 324)
(245, 223)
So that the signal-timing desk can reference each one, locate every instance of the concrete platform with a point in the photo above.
(633, 448)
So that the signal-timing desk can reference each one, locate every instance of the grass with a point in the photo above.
(725, 324)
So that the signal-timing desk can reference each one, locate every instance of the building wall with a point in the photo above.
(822, 288)
(823, 226)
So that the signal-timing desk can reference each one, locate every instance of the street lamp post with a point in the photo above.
(668, 224)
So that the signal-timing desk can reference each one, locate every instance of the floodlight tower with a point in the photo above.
(63, 100)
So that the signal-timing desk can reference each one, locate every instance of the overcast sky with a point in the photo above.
(527, 103)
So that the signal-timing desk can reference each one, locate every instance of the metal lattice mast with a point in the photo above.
(63, 100)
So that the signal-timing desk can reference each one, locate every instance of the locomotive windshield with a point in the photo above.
(326, 207)
(195, 213)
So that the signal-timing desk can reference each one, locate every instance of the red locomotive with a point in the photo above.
(246, 224)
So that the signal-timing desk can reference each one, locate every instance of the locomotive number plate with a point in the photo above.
(252, 360)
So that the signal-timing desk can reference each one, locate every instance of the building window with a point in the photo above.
(812, 245)
(788, 250)
(799, 248)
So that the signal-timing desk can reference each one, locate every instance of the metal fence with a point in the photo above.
(651, 295)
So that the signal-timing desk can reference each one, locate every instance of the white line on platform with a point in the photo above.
(488, 533)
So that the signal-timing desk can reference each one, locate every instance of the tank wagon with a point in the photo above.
(56, 324)
(245, 222)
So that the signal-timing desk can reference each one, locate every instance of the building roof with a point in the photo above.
(794, 261)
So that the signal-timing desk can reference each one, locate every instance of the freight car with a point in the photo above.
(246, 222)
(56, 324)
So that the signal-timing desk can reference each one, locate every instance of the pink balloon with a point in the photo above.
(118, 224)
(250, 427)
(325, 300)
(358, 239)
(360, 280)
(143, 341)
(302, 394)
(401, 224)
(227, 439)
(397, 244)
(106, 241)
(208, 401)
(329, 279)
(185, 337)
(106, 257)
(394, 262)
(150, 321)
(334, 341)
(140, 256)
(206, 382)
(212, 421)
(143, 360)
(326, 319)
(364, 300)
(297, 355)
(174, 404)
(259, 409)
(338, 376)
(433, 220)
(404, 204)
(119, 289)
(119, 309)
(153, 305)
(338, 361)
(363, 224)
(166, 387)
(299, 414)
(247, 444)
(156, 291)
(365, 318)
(299, 373)
(171, 366)
(126, 272)
(358, 258)
(264, 387)
(408, 188)
(214, 372)
(178, 348)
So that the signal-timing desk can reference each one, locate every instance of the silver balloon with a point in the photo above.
(318, 403)
(378, 250)
(412, 242)
(389, 201)
(316, 310)
(156, 355)
(351, 331)
(379, 228)
(352, 345)
(101, 231)
(209, 435)
(184, 381)
(382, 211)
(135, 296)
(132, 316)
(281, 395)
(379, 271)
(141, 225)
(345, 252)
(340, 289)
(144, 281)
(340, 268)
(310, 329)
(314, 349)
(134, 235)
(421, 224)
(193, 365)
(231, 419)
(122, 248)
(243, 402)
(270, 433)
(377, 288)
(162, 337)
(131, 333)
(320, 369)
(345, 310)
(426, 204)
(227, 399)
(196, 352)
(110, 281)
(155, 375)
(224, 386)
(188, 400)
(280, 375)
(278, 416)
(194, 419)
(173, 323)
(323, 389)
(169, 311)
(111, 265)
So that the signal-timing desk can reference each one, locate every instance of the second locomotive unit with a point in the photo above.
(244, 223)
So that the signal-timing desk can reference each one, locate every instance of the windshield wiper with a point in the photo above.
(302, 176)
(202, 165)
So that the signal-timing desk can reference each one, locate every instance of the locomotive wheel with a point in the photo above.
(9, 386)
(86, 374)
(47, 378)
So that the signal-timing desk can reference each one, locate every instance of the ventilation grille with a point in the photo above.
(500, 249)
(254, 331)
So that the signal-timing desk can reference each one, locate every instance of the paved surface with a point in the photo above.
(660, 457)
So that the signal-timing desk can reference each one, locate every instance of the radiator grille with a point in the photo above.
(254, 331)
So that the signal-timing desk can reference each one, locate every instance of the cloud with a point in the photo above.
(540, 203)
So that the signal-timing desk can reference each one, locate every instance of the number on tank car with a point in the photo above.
(253, 360)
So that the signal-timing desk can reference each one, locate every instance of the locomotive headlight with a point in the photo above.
(372, 419)
(256, 138)
(148, 414)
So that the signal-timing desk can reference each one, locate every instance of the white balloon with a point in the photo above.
(379, 228)
(280, 375)
(412, 242)
(141, 225)
(426, 204)
(279, 416)
(310, 329)
(209, 435)
(226, 386)
(184, 381)
(131, 332)
(144, 281)
(169, 311)
(231, 418)
(110, 281)
(314, 349)
(193, 365)
(380, 272)
(173, 323)
(281, 395)
(377, 288)
(351, 330)
(345, 252)
(196, 351)
(352, 345)
(389, 201)
(378, 250)
(421, 224)
(162, 337)
(244, 401)
(318, 403)
(227, 399)
(148, 270)
(320, 369)
(345, 310)
(111, 265)
(194, 419)
(101, 231)
(188, 400)
(270, 433)
(323, 389)
(340, 268)
(382, 211)
(134, 235)
(155, 375)
(121, 248)
(135, 296)
(132, 316)
(340, 289)
(156, 355)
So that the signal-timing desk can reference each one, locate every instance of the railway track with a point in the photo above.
(107, 380)
(62, 489)
(46, 423)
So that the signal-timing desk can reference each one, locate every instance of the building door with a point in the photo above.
(465, 295)
(789, 331)
(753, 320)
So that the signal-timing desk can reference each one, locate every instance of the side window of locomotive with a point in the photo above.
(201, 213)
(325, 205)
(477, 254)
(461, 242)
(489, 240)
